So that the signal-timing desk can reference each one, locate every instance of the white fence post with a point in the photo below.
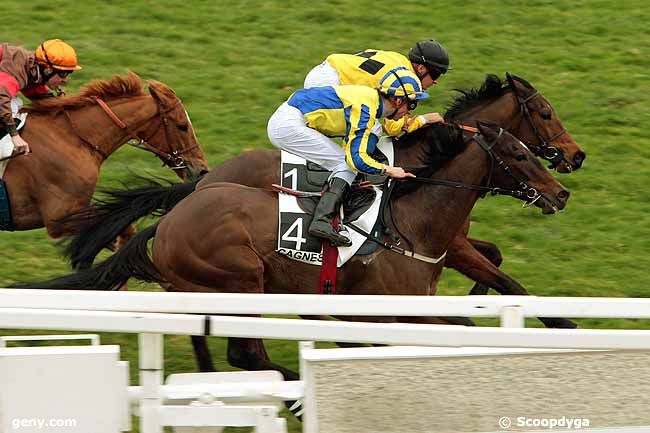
(512, 317)
(304, 345)
(151, 371)
(309, 416)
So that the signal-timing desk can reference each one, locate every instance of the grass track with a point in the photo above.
(233, 63)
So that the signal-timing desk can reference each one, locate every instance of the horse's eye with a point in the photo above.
(546, 114)
(183, 127)
(521, 157)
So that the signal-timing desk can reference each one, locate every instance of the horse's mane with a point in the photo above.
(446, 140)
(492, 88)
(443, 143)
(118, 86)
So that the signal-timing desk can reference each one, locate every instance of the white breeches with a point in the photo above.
(288, 131)
(321, 76)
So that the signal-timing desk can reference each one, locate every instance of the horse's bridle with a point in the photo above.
(523, 191)
(544, 148)
(173, 158)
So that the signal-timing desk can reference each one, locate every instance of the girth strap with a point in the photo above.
(394, 248)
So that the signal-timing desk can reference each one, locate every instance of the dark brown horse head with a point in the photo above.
(181, 146)
(542, 130)
(514, 166)
(518, 107)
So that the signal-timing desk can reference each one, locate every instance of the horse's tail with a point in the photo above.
(130, 261)
(110, 216)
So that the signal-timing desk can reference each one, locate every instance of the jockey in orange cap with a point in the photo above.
(35, 74)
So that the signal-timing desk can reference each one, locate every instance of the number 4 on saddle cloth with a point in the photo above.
(6, 149)
(362, 206)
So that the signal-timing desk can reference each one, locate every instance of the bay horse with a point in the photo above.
(72, 136)
(513, 104)
(222, 237)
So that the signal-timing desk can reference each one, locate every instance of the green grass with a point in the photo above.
(233, 63)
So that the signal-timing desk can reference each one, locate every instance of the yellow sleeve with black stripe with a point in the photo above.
(395, 128)
(360, 119)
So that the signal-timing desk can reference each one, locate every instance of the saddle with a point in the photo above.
(302, 183)
(357, 201)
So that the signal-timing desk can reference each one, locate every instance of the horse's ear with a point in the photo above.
(155, 89)
(160, 91)
(513, 80)
(486, 128)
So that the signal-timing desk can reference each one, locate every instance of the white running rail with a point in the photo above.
(151, 315)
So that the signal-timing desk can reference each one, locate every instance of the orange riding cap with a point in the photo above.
(58, 55)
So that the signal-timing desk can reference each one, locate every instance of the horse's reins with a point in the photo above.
(6, 158)
(75, 129)
(173, 159)
(524, 191)
(550, 153)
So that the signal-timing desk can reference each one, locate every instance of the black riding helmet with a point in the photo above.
(431, 54)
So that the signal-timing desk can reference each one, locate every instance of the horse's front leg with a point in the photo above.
(471, 262)
(202, 354)
(250, 354)
(463, 257)
(491, 252)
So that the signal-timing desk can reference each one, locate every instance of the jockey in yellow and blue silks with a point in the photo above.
(428, 59)
(304, 124)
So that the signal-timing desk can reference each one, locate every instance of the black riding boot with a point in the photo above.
(328, 206)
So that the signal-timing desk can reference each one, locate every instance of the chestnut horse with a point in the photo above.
(72, 136)
(223, 237)
(514, 105)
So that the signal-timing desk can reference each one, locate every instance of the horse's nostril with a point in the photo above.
(563, 195)
(579, 158)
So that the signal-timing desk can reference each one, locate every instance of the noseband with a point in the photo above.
(173, 158)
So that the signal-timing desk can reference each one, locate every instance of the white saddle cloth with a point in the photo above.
(293, 239)
(7, 146)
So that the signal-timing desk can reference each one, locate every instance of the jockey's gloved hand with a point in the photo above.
(429, 118)
(20, 145)
(397, 172)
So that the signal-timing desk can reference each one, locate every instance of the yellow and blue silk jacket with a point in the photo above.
(344, 111)
(367, 68)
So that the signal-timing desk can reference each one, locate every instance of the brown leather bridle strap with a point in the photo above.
(171, 158)
(92, 146)
(544, 148)
(163, 116)
(467, 128)
(142, 142)
(111, 114)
